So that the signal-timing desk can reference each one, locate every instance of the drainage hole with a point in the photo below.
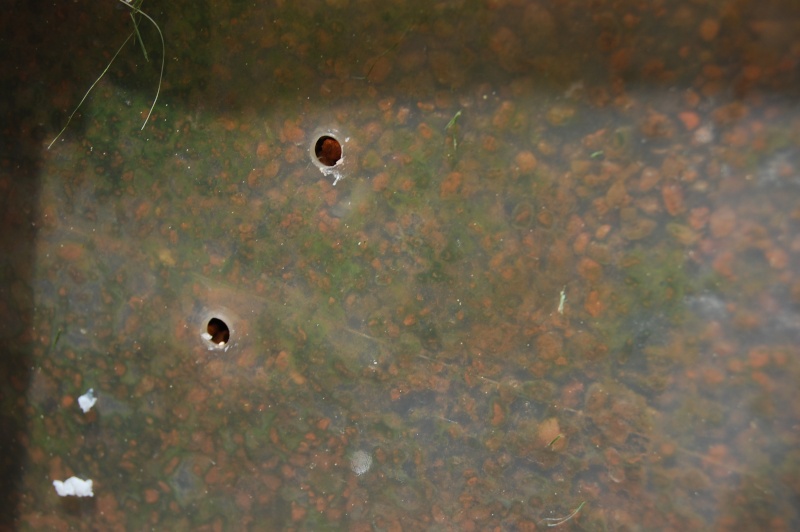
(218, 331)
(328, 150)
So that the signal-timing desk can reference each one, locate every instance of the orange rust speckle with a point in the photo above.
(437, 514)
(508, 273)
(291, 132)
(498, 416)
(526, 161)
(253, 177)
(320, 504)
(722, 221)
(298, 512)
(392, 330)
(590, 269)
(709, 29)
(751, 72)
(272, 168)
(197, 395)
(617, 195)
(737, 137)
(402, 115)
(142, 210)
(649, 178)
(228, 124)
(777, 258)
(503, 116)
(70, 251)
(244, 500)
(723, 264)
(762, 379)
(713, 376)
(549, 346)
(602, 231)
(274, 437)
(451, 184)
(689, 119)
(571, 393)
(668, 449)
(247, 359)
(698, 217)
(380, 182)
(108, 507)
(673, 198)
(172, 465)
(425, 131)
(549, 430)
(489, 143)
(758, 357)
(593, 305)
(213, 476)
(386, 104)
(37, 455)
(621, 59)
(282, 361)
(580, 243)
(379, 69)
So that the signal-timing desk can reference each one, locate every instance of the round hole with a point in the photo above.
(328, 150)
(218, 331)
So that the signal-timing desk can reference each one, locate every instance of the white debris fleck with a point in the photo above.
(87, 400)
(360, 462)
(74, 486)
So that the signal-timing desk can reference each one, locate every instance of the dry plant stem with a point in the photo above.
(375, 62)
(136, 10)
(103, 73)
(163, 53)
(556, 521)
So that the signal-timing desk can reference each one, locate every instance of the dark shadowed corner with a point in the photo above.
(20, 146)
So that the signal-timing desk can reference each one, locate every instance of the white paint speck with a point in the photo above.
(87, 400)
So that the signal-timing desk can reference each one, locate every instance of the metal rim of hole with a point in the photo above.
(218, 332)
(328, 150)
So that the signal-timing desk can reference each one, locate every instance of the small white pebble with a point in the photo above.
(360, 462)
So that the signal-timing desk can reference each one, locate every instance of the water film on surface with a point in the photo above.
(556, 282)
